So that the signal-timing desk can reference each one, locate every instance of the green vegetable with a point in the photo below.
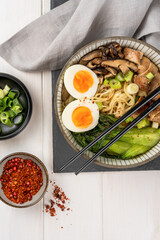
(11, 95)
(115, 84)
(143, 123)
(134, 142)
(6, 89)
(120, 77)
(10, 107)
(17, 109)
(1, 94)
(145, 136)
(118, 147)
(150, 76)
(11, 114)
(100, 105)
(130, 119)
(10, 104)
(105, 82)
(135, 150)
(5, 119)
(128, 76)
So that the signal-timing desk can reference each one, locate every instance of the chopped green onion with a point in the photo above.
(6, 89)
(120, 77)
(5, 119)
(11, 114)
(11, 95)
(10, 104)
(5, 103)
(130, 119)
(106, 81)
(143, 123)
(115, 84)
(100, 105)
(128, 76)
(18, 119)
(1, 94)
(17, 109)
(150, 76)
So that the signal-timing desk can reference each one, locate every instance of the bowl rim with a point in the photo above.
(46, 173)
(29, 110)
(56, 110)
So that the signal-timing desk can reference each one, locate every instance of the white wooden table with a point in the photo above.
(106, 206)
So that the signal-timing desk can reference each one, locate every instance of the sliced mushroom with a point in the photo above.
(108, 75)
(91, 65)
(100, 71)
(124, 69)
(112, 71)
(89, 56)
(94, 63)
(116, 63)
(100, 77)
(133, 55)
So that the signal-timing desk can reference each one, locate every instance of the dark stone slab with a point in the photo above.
(62, 150)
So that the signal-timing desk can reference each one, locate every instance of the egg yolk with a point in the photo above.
(82, 117)
(82, 81)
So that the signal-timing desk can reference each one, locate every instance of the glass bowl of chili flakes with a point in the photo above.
(23, 180)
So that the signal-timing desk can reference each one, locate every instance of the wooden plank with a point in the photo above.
(131, 205)
(17, 224)
(85, 219)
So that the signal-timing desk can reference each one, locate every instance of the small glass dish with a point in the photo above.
(39, 195)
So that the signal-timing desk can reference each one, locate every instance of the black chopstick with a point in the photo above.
(114, 125)
(119, 135)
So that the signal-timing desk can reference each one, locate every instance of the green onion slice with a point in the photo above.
(150, 76)
(128, 76)
(115, 84)
(120, 77)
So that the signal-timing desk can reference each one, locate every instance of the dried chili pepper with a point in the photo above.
(21, 180)
(60, 200)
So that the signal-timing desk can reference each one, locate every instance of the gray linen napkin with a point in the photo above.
(49, 41)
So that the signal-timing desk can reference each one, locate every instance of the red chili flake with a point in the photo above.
(93, 102)
(61, 227)
(21, 179)
(59, 201)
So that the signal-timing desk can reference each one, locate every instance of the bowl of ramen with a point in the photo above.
(100, 83)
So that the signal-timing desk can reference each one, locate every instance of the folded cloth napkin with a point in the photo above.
(49, 41)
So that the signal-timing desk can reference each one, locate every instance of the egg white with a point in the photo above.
(69, 77)
(68, 111)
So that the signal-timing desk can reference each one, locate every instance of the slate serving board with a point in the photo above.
(62, 150)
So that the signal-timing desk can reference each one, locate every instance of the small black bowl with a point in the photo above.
(26, 101)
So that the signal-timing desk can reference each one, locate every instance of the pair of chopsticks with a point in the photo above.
(113, 126)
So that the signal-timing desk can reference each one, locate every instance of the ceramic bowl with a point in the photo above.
(37, 197)
(149, 51)
(25, 99)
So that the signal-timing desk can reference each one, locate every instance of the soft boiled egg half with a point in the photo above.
(80, 81)
(80, 115)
